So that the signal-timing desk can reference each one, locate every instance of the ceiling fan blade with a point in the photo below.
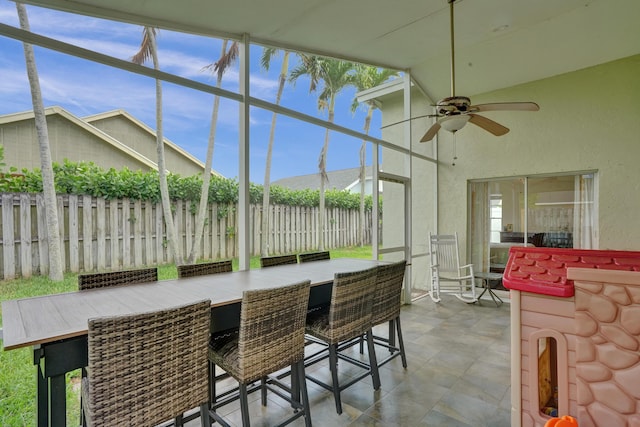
(489, 125)
(506, 106)
(406, 120)
(433, 130)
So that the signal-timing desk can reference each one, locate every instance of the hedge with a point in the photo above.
(88, 178)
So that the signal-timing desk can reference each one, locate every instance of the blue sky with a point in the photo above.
(86, 88)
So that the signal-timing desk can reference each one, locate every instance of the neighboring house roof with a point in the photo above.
(343, 179)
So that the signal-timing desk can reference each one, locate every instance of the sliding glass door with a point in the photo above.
(550, 211)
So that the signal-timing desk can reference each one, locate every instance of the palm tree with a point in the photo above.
(335, 75)
(267, 54)
(227, 57)
(48, 187)
(149, 49)
(366, 77)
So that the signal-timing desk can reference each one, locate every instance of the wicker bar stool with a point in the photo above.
(115, 278)
(270, 261)
(313, 256)
(203, 269)
(348, 318)
(271, 338)
(387, 302)
(139, 376)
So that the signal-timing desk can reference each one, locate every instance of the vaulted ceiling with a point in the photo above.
(499, 43)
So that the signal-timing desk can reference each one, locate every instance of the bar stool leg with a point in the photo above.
(373, 361)
(403, 356)
(333, 365)
(244, 404)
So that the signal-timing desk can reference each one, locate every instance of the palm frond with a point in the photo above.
(367, 77)
(323, 103)
(267, 55)
(227, 59)
(311, 66)
(144, 53)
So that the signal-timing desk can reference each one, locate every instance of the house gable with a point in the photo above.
(140, 137)
(69, 137)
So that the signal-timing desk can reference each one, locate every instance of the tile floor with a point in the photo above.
(458, 375)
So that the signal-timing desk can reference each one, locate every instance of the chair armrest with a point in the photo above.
(469, 268)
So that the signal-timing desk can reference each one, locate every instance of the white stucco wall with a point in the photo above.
(588, 120)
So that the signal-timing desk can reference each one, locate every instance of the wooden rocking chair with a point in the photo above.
(447, 276)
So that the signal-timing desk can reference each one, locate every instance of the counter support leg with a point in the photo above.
(42, 396)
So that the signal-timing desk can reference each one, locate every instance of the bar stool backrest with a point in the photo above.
(351, 302)
(147, 368)
(115, 278)
(272, 323)
(202, 269)
(314, 256)
(388, 297)
(271, 261)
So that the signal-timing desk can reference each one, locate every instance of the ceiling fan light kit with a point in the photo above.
(455, 111)
(454, 123)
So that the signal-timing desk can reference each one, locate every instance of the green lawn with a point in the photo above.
(17, 373)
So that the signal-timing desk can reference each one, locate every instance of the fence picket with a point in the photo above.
(126, 232)
(149, 256)
(114, 235)
(101, 234)
(161, 253)
(87, 234)
(74, 239)
(25, 235)
(43, 247)
(8, 243)
(61, 218)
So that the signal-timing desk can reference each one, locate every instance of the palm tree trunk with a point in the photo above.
(322, 165)
(48, 187)
(162, 171)
(264, 250)
(363, 175)
(323, 177)
(206, 173)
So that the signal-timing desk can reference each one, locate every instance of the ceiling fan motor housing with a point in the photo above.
(453, 105)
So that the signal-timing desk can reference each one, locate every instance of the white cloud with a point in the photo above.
(13, 81)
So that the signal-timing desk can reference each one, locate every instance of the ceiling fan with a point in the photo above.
(454, 112)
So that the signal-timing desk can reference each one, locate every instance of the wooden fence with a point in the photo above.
(101, 234)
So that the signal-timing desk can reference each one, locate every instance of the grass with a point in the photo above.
(17, 372)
